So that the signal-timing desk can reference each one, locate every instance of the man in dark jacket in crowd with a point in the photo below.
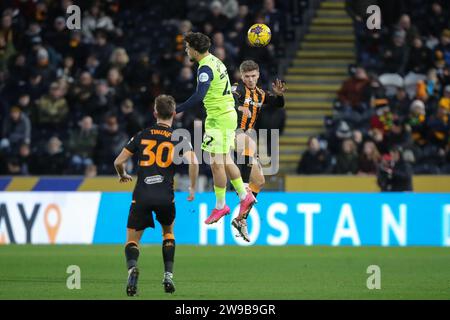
(16, 130)
(314, 160)
(110, 142)
(395, 174)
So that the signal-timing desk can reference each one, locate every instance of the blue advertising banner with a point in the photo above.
(280, 218)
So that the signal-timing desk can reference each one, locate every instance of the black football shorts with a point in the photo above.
(141, 214)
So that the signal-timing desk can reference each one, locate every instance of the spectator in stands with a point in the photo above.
(273, 18)
(217, 19)
(340, 132)
(433, 85)
(221, 54)
(410, 30)
(7, 34)
(444, 76)
(95, 19)
(100, 102)
(395, 174)
(230, 8)
(117, 86)
(53, 161)
(18, 70)
(140, 71)
(397, 135)
(444, 102)
(382, 118)
(184, 27)
(92, 65)
(52, 110)
(81, 145)
(26, 105)
(420, 57)
(369, 158)
(110, 142)
(444, 46)
(129, 119)
(358, 139)
(218, 41)
(67, 69)
(154, 88)
(16, 130)
(315, 160)
(184, 85)
(439, 128)
(44, 67)
(119, 59)
(437, 20)
(429, 100)
(91, 171)
(417, 122)
(352, 92)
(347, 159)
(35, 87)
(357, 10)
(400, 103)
(59, 36)
(81, 92)
(102, 48)
(24, 159)
(396, 54)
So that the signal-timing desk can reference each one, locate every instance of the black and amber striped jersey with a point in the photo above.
(255, 100)
(155, 152)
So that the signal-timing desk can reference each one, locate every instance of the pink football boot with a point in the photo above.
(217, 214)
(246, 205)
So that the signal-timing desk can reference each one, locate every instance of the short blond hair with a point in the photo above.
(248, 65)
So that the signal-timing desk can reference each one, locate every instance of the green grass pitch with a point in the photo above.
(229, 272)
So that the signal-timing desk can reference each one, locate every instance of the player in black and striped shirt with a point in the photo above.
(249, 101)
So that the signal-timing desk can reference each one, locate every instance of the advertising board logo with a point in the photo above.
(52, 222)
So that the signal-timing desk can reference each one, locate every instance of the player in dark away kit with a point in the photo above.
(154, 188)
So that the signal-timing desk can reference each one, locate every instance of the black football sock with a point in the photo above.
(168, 251)
(131, 254)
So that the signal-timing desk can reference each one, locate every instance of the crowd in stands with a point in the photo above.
(71, 99)
(396, 98)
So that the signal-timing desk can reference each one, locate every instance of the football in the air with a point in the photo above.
(259, 35)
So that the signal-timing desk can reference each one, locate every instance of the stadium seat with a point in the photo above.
(391, 81)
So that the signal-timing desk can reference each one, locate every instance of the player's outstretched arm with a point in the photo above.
(205, 77)
(193, 172)
(119, 164)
